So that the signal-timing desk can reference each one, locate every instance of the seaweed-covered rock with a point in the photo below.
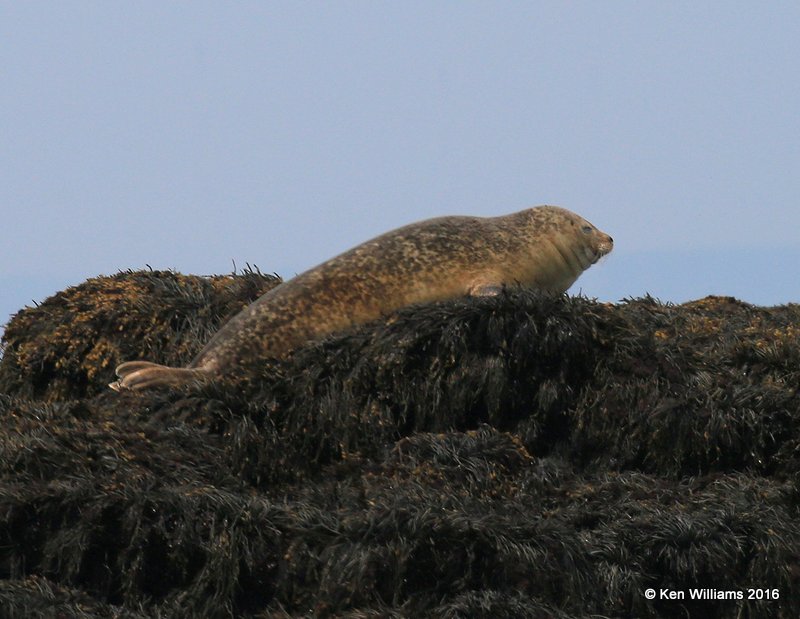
(523, 456)
(69, 345)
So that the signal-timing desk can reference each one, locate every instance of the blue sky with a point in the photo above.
(192, 135)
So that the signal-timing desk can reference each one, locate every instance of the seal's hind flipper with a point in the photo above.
(123, 369)
(137, 375)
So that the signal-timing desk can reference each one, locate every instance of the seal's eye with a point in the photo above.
(586, 229)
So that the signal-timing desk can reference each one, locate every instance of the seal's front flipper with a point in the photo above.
(137, 375)
(485, 290)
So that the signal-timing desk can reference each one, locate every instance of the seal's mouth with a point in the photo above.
(603, 249)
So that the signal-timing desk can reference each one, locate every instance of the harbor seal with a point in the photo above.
(545, 248)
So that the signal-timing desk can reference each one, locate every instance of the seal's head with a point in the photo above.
(562, 245)
(579, 238)
(595, 243)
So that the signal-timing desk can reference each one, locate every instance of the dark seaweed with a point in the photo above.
(518, 456)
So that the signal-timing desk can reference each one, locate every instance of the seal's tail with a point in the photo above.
(144, 375)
